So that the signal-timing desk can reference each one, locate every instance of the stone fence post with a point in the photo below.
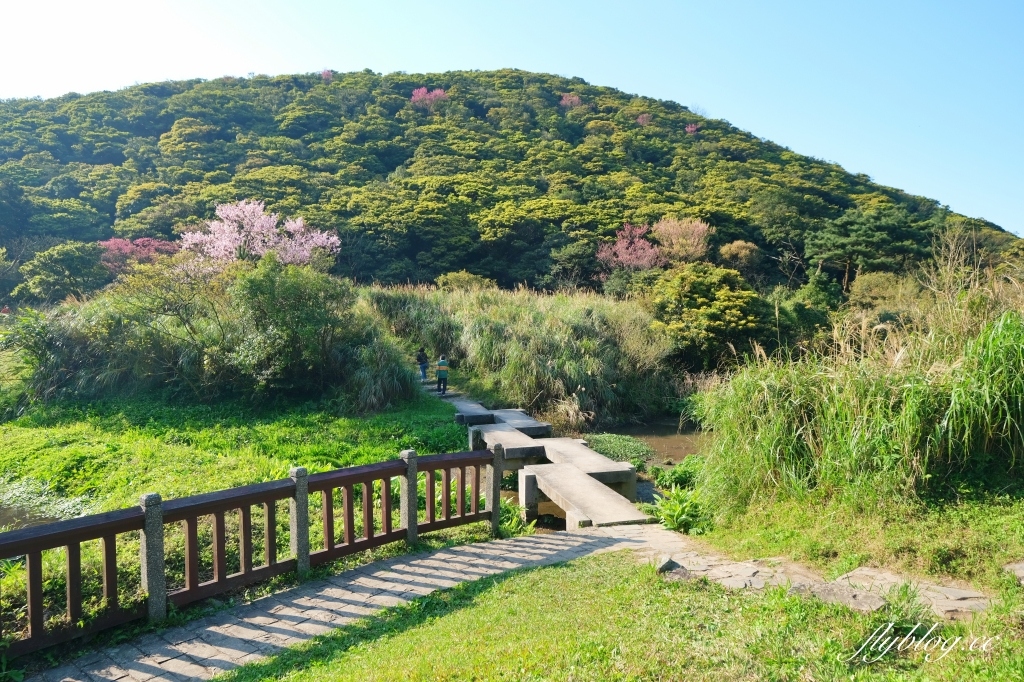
(493, 490)
(298, 517)
(154, 578)
(410, 497)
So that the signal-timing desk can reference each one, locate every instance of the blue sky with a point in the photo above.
(925, 96)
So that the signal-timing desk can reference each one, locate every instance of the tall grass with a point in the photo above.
(885, 411)
(575, 357)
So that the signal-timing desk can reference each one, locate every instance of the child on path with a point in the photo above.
(422, 360)
(442, 375)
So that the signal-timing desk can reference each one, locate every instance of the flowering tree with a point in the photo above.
(692, 128)
(684, 239)
(427, 99)
(327, 75)
(644, 119)
(570, 101)
(118, 253)
(630, 250)
(245, 231)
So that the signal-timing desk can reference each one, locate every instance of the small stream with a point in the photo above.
(12, 518)
(665, 438)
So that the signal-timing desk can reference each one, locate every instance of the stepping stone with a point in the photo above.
(522, 422)
(837, 593)
(872, 579)
(470, 413)
(1017, 569)
(518, 446)
(620, 476)
(586, 502)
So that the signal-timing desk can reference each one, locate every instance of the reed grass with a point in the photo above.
(886, 410)
(575, 358)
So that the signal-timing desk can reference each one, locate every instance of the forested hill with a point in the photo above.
(509, 174)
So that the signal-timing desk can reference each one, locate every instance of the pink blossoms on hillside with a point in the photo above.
(244, 230)
(630, 250)
(425, 99)
(692, 128)
(119, 253)
(570, 101)
(644, 119)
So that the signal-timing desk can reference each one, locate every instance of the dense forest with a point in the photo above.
(516, 176)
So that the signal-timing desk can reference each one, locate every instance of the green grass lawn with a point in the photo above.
(606, 617)
(108, 453)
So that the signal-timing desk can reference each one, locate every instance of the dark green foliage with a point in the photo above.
(498, 179)
(68, 269)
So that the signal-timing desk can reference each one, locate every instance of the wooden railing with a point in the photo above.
(358, 487)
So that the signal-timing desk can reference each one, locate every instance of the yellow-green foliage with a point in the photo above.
(500, 178)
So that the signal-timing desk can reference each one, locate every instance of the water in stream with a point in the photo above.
(19, 517)
(668, 442)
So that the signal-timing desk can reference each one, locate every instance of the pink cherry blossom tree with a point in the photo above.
(570, 101)
(425, 99)
(118, 253)
(644, 119)
(692, 128)
(245, 231)
(327, 75)
(630, 250)
(683, 239)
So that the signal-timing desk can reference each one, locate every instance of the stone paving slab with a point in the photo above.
(522, 422)
(516, 443)
(221, 642)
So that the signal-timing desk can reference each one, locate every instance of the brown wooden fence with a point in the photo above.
(468, 471)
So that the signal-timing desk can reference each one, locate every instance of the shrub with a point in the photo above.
(68, 269)
(703, 308)
(512, 523)
(680, 510)
(249, 328)
(682, 475)
(464, 281)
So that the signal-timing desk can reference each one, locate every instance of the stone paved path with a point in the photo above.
(221, 642)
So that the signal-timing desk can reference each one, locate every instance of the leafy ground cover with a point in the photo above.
(605, 617)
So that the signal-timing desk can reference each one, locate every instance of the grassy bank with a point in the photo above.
(895, 442)
(72, 458)
(606, 618)
(108, 453)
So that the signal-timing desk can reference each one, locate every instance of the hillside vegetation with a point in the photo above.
(513, 175)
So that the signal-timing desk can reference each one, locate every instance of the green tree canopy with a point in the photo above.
(71, 268)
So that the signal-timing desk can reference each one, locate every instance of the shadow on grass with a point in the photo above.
(389, 622)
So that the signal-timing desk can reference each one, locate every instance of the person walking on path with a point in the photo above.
(442, 375)
(423, 361)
